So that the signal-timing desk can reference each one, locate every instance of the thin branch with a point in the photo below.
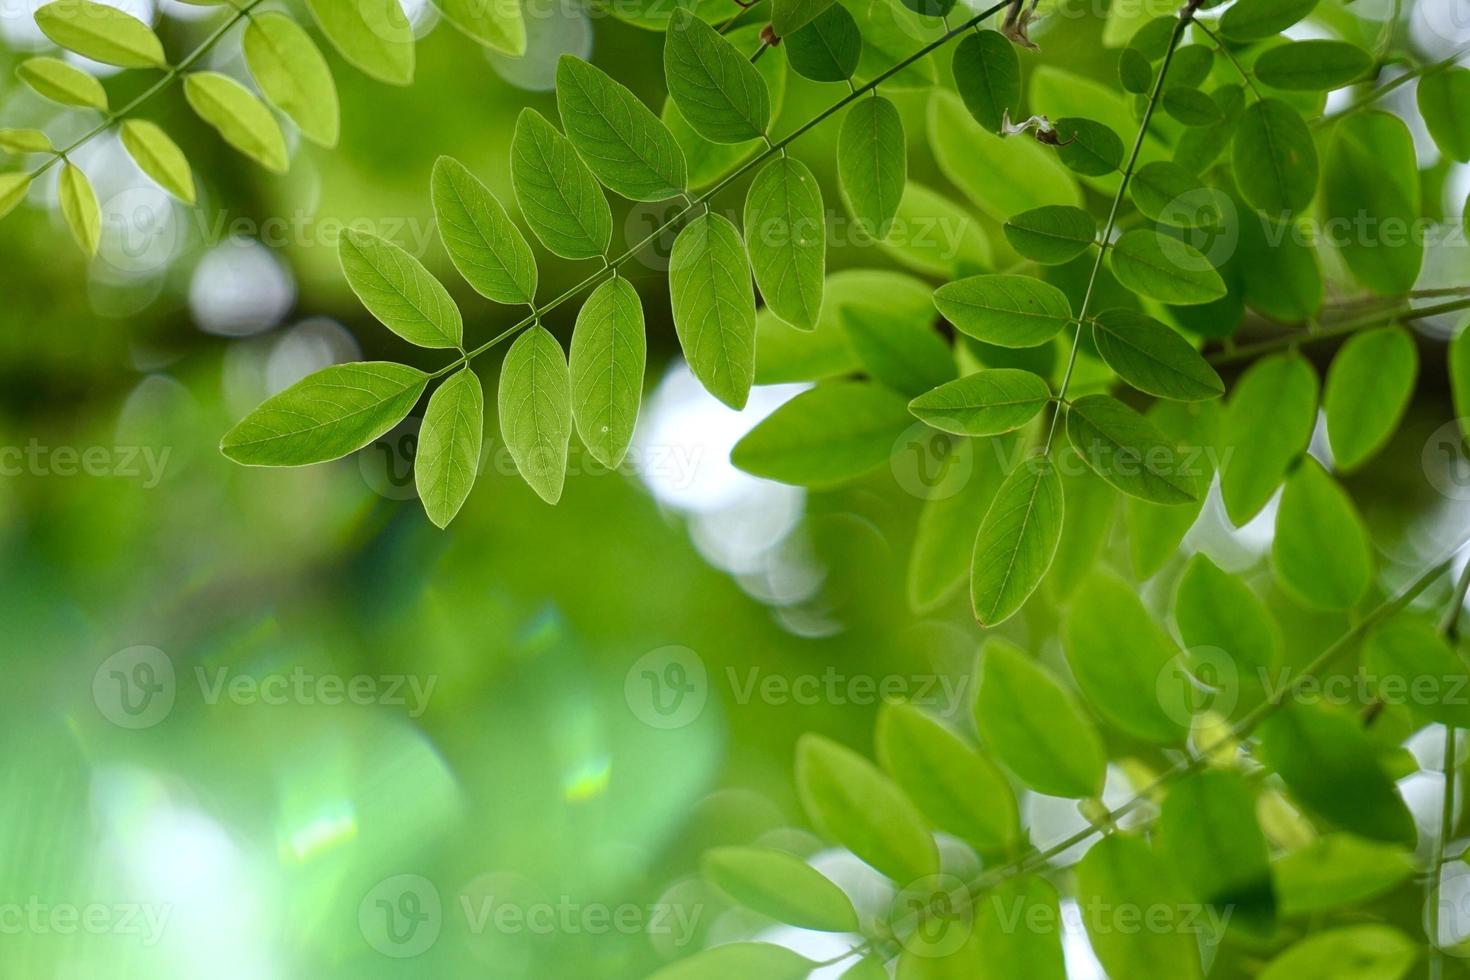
(1247, 352)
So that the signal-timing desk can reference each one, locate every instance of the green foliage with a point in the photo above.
(558, 195)
(624, 145)
(241, 119)
(375, 38)
(872, 163)
(63, 83)
(483, 243)
(1267, 424)
(1372, 177)
(159, 157)
(717, 89)
(448, 454)
(828, 48)
(825, 436)
(1122, 871)
(985, 403)
(1054, 234)
(714, 306)
(293, 75)
(781, 886)
(1322, 553)
(787, 232)
(535, 405)
(399, 291)
(606, 360)
(79, 207)
(1368, 390)
(1008, 311)
(1018, 539)
(102, 33)
(987, 73)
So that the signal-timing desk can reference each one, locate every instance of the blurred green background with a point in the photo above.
(272, 724)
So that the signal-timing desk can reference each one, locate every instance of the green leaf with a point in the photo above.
(1217, 610)
(374, 37)
(1035, 726)
(326, 415)
(1166, 269)
(622, 143)
(1404, 655)
(399, 291)
(1170, 194)
(1125, 449)
(102, 33)
(1210, 838)
(1155, 530)
(535, 405)
(1117, 654)
(1267, 425)
(825, 436)
(872, 164)
(1034, 950)
(789, 16)
(780, 886)
(1251, 20)
(739, 961)
(1368, 390)
(293, 75)
(1313, 66)
(850, 802)
(1008, 311)
(714, 306)
(1371, 183)
(987, 73)
(933, 235)
(24, 141)
(1000, 176)
(985, 403)
(1154, 358)
(783, 353)
(497, 24)
(1191, 107)
(1088, 147)
(483, 243)
(448, 455)
(828, 48)
(957, 788)
(1017, 541)
(1135, 73)
(159, 157)
(1368, 951)
(786, 233)
(241, 119)
(1054, 234)
(1275, 158)
(607, 359)
(1330, 766)
(79, 207)
(1092, 506)
(1279, 268)
(1338, 870)
(906, 356)
(559, 197)
(891, 33)
(718, 91)
(13, 189)
(1321, 551)
(1122, 872)
(1444, 102)
(945, 538)
(63, 83)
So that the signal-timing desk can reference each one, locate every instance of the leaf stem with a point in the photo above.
(1246, 352)
(1185, 16)
(1245, 76)
(703, 199)
(168, 77)
(1404, 79)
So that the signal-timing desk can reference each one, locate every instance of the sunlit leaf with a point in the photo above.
(987, 73)
(1154, 358)
(1368, 390)
(825, 436)
(159, 157)
(608, 352)
(786, 233)
(1313, 65)
(535, 407)
(718, 91)
(484, 244)
(1121, 872)
(13, 189)
(558, 195)
(24, 141)
(1275, 158)
(241, 119)
(826, 49)
(1008, 311)
(1125, 449)
(1444, 103)
(101, 32)
(1321, 550)
(1371, 182)
(1338, 870)
(1052, 235)
(1165, 269)
(1017, 541)
(79, 208)
(739, 961)
(1267, 423)
(714, 306)
(63, 83)
(1251, 20)
(623, 144)
(1366, 951)
(1217, 610)
(497, 24)
(293, 75)
(375, 37)
(399, 291)
(1210, 837)
(984, 403)
(872, 163)
(447, 458)
(781, 886)
(1404, 655)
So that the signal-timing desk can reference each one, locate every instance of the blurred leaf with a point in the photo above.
(1214, 609)
(718, 91)
(1032, 950)
(786, 232)
(63, 83)
(399, 291)
(1251, 20)
(1008, 311)
(622, 143)
(535, 407)
(326, 415)
(1369, 387)
(1459, 368)
(1117, 655)
(714, 306)
(1209, 835)
(79, 207)
(780, 886)
(1371, 180)
(1444, 102)
(1267, 424)
(825, 436)
(957, 788)
(485, 245)
(1155, 530)
(987, 73)
(1275, 158)
(241, 119)
(855, 805)
(102, 33)
(739, 961)
(559, 197)
(159, 157)
(1121, 872)
(1329, 766)
(374, 37)
(1313, 65)
(13, 189)
(1403, 655)
(1017, 541)
(24, 141)
(906, 356)
(872, 163)
(1125, 449)
(447, 459)
(827, 49)
(933, 235)
(984, 403)
(1336, 871)
(608, 352)
(497, 24)
(1321, 552)
(999, 176)
(1153, 358)
(293, 75)
(945, 538)
(1165, 268)
(1190, 106)
(1368, 951)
